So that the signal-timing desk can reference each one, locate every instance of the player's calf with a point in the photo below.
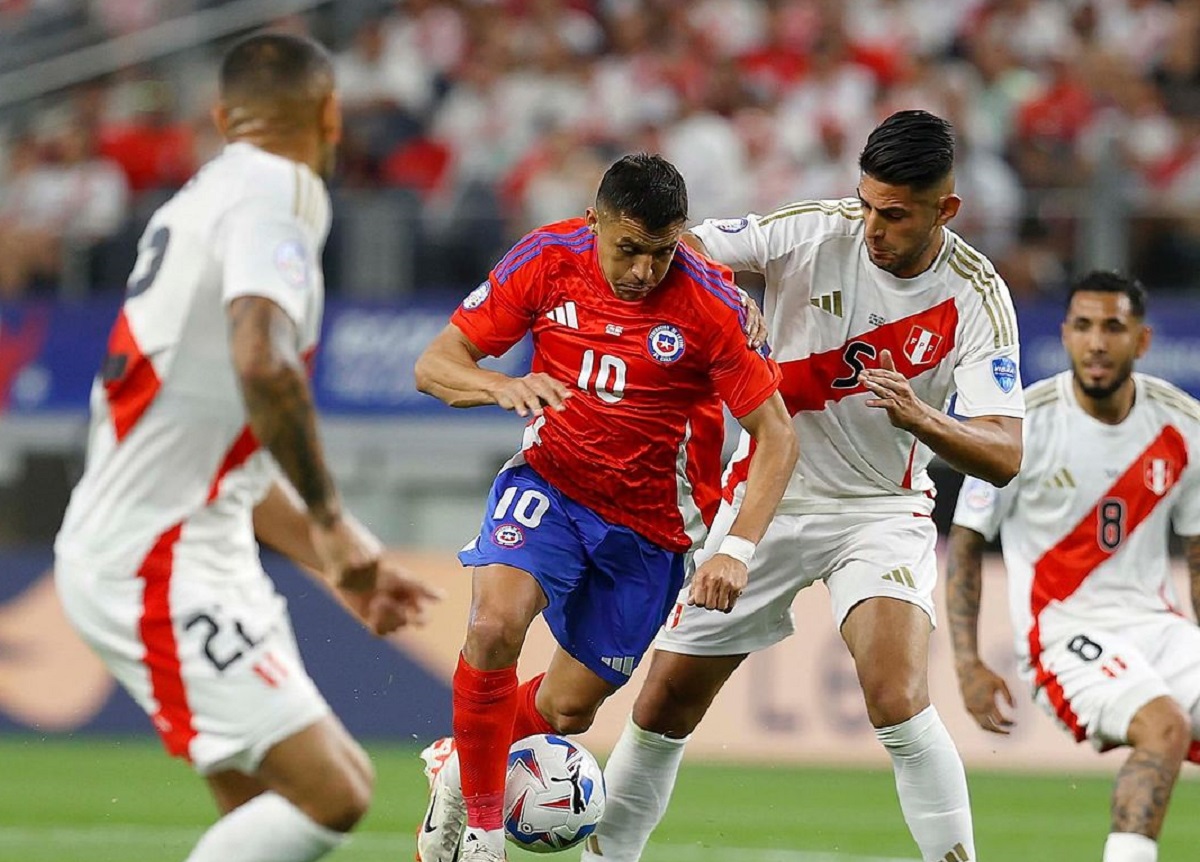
(1160, 734)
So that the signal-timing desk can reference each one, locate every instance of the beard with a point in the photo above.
(1099, 392)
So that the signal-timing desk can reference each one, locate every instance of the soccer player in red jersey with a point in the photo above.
(637, 342)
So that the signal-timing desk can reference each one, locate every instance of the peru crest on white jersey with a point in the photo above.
(831, 313)
(1085, 524)
(169, 445)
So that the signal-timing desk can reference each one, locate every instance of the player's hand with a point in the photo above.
(718, 583)
(905, 410)
(349, 555)
(531, 393)
(399, 598)
(755, 326)
(981, 691)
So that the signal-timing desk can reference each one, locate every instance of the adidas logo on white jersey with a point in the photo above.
(1061, 479)
(564, 314)
(830, 302)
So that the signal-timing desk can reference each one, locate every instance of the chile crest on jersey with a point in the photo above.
(666, 343)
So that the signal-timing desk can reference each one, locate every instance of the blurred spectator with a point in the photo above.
(52, 207)
(153, 149)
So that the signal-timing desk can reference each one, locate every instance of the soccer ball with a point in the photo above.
(554, 793)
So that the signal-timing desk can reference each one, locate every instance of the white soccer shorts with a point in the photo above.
(1094, 679)
(213, 662)
(859, 556)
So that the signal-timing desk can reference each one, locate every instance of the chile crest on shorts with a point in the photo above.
(508, 536)
(665, 343)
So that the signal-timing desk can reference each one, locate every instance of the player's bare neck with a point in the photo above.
(297, 148)
(1111, 409)
(925, 261)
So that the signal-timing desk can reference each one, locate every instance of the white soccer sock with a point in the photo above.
(268, 828)
(932, 786)
(638, 778)
(1130, 847)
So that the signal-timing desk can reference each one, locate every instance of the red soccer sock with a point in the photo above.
(485, 702)
(529, 721)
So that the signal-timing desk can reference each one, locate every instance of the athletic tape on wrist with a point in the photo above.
(740, 549)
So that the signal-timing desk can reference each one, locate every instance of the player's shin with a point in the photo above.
(638, 777)
(485, 706)
(268, 828)
(932, 786)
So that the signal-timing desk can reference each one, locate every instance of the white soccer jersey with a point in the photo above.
(831, 313)
(1085, 524)
(171, 463)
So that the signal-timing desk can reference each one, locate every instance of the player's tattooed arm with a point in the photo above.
(980, 685)
(279, 402)
(1191, 547)
(964, 588)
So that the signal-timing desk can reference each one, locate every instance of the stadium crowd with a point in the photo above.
(489, 116)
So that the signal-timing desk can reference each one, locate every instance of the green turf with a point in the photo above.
(123, 800)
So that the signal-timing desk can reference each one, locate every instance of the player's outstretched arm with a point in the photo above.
(397, 599)
(1191, 546)
(718, 583)
(279, 405)
(964, 587)
(988, 447)
(449, 371)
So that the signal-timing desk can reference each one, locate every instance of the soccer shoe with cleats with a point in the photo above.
(441, 831)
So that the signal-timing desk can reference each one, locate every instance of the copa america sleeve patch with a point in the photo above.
(1004, 372)
(292, 263)
(477, 296)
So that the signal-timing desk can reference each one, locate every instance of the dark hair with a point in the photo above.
(909, 148)
(276, 66)
(644, 187)
(1102, 281)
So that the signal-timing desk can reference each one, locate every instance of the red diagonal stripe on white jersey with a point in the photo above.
(243, 447)
(134, 388)
(808, 382)
(1063, 568)
(174, 716)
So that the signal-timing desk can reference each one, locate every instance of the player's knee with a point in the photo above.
(1162, 726)
(494, 636)
(568, 719)
(670, 708)
(349, 798)
(893, 701)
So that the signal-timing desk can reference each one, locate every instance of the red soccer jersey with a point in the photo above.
(640, 440)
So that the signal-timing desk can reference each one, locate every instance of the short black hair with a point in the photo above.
(644, 187)
(1104, 281)
(276, 67)
(909, 148)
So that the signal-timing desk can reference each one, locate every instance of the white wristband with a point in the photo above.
(740, 549)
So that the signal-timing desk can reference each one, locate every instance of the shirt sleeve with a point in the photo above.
(266, 252)
(764, 243)
(987, 378)
(744, 378)
(982, 507)
(498, 313)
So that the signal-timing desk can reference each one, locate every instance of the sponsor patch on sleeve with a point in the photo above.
(1004, 372)
(477, 296)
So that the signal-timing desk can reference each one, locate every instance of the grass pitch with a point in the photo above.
(123, 800)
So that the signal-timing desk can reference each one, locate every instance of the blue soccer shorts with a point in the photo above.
(608, 588)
